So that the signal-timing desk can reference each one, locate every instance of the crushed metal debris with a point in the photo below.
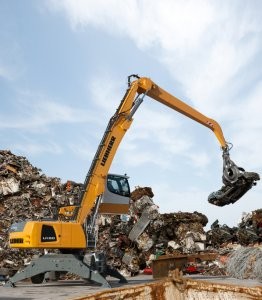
(26, 193)
(245, 262)
(131, 242)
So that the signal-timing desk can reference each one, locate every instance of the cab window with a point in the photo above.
(118, 185)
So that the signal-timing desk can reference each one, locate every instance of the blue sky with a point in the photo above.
(63, 71)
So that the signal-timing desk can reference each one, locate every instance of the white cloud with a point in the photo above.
(36, 111)
(105, 92)
(203, 44)
(99, 13)
(143, 21)
(32, 148)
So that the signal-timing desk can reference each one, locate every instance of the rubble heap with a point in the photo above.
(248, 231)
(132, 250)
(131, 241)
(26, 193)
(245, 262)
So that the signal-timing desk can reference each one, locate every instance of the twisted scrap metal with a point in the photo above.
(245, 263)
(236, 182)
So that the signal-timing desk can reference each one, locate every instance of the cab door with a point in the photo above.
(116, 197)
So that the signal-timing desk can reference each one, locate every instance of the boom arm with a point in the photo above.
(117, 127)
(165, 98)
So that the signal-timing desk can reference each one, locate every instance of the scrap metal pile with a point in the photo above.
(131, 248)
(131, 241)
(26, 193)
(245, 262)
(131, 244)
(248, 231)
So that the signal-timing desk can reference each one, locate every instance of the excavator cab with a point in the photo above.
(115, 199)
(236, 182)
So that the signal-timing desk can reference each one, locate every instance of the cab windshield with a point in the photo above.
(118, 185)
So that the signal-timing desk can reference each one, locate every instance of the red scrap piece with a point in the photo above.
(148, 271)
(191, 269)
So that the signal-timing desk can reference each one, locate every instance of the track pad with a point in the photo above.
(231, 192)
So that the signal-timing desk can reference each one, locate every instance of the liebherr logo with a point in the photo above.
(108, 150)
(48, 238)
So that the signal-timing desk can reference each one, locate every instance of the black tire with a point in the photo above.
(39, 278)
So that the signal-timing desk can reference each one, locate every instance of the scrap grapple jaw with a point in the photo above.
(236, 182)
